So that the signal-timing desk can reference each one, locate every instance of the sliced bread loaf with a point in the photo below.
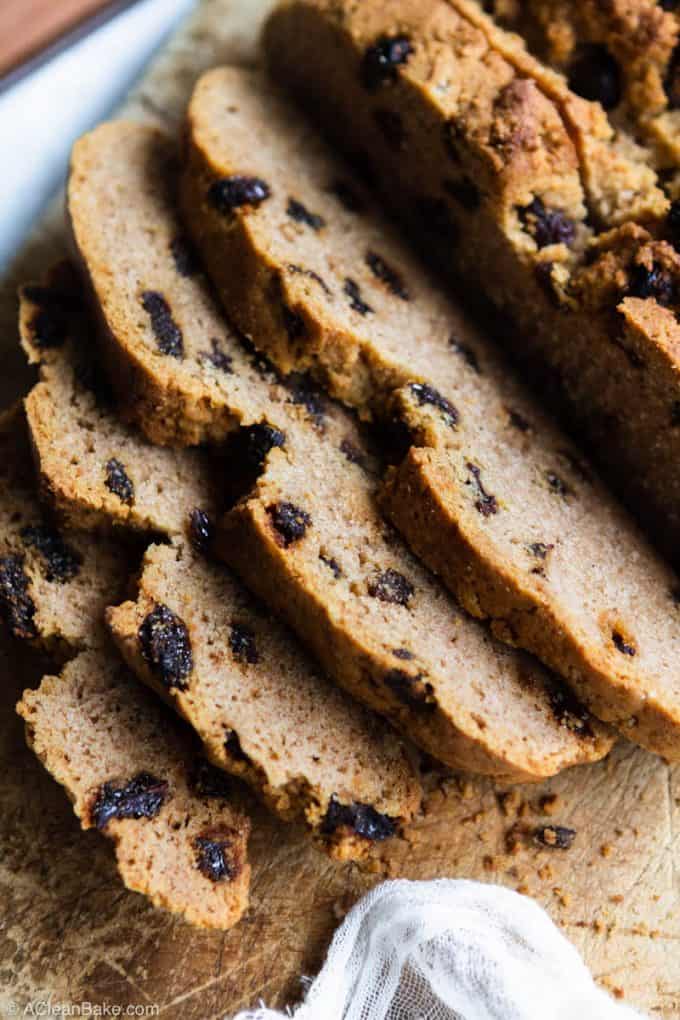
(260, 706)
(488, 477)
(53, 582)
(495, 224)
(132, 772)
(95, 471)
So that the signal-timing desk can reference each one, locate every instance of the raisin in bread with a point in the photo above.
(94, 470)
(132, 772)
(53, 582)
(393, 328)
(308, 539)
(178, 369)
(259, 705)
(494, 223)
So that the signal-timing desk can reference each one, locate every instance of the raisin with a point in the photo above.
(184, 256)
(311, 275)
(289, 522)
(215, 855)
(402, 653)
(217, 357)
(305, 394)
(16, 605)
(387, 275)
(119, 482)
(201, 530)
(62, 563)
(557, 837)
(596, 75)
(166, 646)
(413, 691)
(362, 819)
(425, 394)
(465, 192)
(332, 565)
(233, 192)
(168, 334)
(242, 644)
(347, 196)
(671, 82)
(356, 301)
(142, 797)
(466, 352)
(256, 441)
(298, 212)
(673, 224)
(353, 453)
(486, 503)
(391, 127)
(518, 421)
(651, 283)
(380, 62)
(557, 484)
(569, 711)
(435, 217)
(208, 781)
(540, 550)
(391, 586)
(546, 226)
(622, 645)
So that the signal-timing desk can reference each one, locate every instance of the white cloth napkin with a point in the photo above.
(451, 950)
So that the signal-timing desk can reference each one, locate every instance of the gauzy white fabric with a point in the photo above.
(451, 950)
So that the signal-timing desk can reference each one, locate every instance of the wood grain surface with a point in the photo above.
(71, 933)
(28, 26)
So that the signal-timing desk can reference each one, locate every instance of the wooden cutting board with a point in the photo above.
(70, 932)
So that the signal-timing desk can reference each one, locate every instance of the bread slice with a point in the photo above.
(307, 538)
(53, 582)
(501, 215)
(488, 478)
(95, 471)
(178, 369)
(132, 772)
(261, 708)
